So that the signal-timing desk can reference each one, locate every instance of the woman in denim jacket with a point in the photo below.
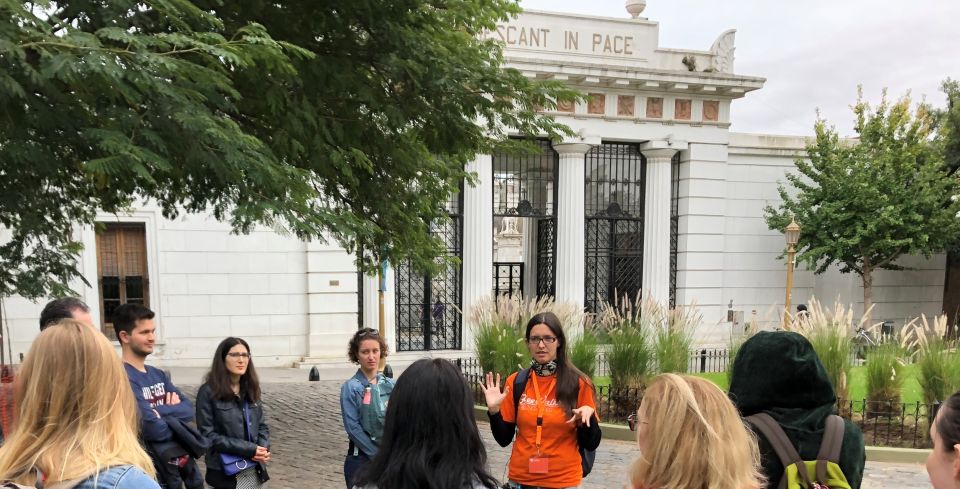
(363, 401)
(76, 423)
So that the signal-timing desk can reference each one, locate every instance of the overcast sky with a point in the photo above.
(813, 53)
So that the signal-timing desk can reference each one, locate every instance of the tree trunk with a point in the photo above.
(867, 296)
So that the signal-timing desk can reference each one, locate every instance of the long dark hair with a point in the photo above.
(568, 375)
(218, 378)
(430, 438)
(948, 425)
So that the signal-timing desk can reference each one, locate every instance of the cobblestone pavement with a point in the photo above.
(309, 445)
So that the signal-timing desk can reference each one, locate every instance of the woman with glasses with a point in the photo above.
(363, 401)
(554, 415)
(690, 435)
(230, 415)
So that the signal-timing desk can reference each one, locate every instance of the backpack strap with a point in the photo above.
(782, 445)
(519, 385)
(830, 445)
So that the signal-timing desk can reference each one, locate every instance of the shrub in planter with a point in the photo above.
(583, 350)
(673, 339)
(884, 367)
(499, 325)
(830, 332)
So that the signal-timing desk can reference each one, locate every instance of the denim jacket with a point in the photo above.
(119, 477)
(351, 398)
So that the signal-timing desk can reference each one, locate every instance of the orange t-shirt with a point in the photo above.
(559, 439)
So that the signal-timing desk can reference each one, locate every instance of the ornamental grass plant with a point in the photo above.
(499, 325)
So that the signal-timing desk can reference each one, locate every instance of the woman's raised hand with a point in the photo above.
(492, 394)
(581, 416)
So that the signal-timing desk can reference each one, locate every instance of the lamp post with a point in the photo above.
(792, 234)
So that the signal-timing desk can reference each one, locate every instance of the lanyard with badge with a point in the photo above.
(539, 463)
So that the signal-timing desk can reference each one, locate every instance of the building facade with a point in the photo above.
(654, 193)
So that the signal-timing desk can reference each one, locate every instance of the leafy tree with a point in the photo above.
(863, 204)
(342, 119)
(950, 124)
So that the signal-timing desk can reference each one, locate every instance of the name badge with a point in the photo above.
(539, 465)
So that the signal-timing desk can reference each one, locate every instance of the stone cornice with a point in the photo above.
(583, 75)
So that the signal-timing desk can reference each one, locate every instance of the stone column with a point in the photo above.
(570, 280)
(656, 220)
(371, 302)
(477, 240)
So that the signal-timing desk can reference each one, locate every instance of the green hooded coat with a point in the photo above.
(780, 374)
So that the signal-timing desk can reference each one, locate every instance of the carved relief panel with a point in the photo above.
(683, 109)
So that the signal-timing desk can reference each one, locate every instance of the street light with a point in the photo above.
(792, 234)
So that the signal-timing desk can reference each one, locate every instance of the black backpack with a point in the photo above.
(587, 457)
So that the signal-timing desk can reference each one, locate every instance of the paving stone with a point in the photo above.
(309, 445)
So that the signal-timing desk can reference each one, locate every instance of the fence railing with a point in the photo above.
(702, 360)
(885, 424)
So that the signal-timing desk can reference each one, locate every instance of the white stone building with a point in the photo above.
(654, 192)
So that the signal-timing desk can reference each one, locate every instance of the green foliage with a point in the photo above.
(349, 120)
(939, 370)
(864, 204)
(499, 326)
(884, 366)
(630, 353)
(499, 349)
(674, 338)
(583, 351)
(950, 125)
(629, 357)
(829, 332)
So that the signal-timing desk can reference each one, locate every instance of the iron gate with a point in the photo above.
(613, 209)
(428, 306)
(674, 225)
(507, 279)
(525, 187)
(546, 257)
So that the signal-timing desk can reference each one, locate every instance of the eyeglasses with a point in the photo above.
(547, 340)
(237, 354)
(632, 422)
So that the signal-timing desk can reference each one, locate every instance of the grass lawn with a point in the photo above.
(910, 392)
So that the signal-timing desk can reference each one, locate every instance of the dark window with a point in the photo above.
(121, 270)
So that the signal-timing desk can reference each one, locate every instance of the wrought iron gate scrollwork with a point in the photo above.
(546, 257)
(525, 188)
(508, 279)
(674, 226)
(613, 209)
(428, 306)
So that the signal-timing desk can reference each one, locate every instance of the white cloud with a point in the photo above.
(813, 53)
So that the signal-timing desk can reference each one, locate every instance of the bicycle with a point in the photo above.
(862, 341)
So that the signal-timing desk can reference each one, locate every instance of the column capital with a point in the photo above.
(662, 148)
(572, 148)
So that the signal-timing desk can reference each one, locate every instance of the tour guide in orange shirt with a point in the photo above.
(557, 394)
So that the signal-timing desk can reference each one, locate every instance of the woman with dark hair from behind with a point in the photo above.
(943, 464)
(230, 415)
(430, 439)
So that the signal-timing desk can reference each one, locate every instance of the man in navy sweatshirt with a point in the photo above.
(156, 395)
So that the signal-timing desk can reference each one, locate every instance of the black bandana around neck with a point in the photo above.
(544, 369)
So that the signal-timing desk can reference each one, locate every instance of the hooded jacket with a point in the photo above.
(780, 374)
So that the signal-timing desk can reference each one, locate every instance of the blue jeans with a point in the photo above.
(352, 464)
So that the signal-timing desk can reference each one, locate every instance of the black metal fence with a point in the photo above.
(705, 360)
(886, 424)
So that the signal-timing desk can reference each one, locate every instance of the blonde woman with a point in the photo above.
(690, 435)
(76, 422)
